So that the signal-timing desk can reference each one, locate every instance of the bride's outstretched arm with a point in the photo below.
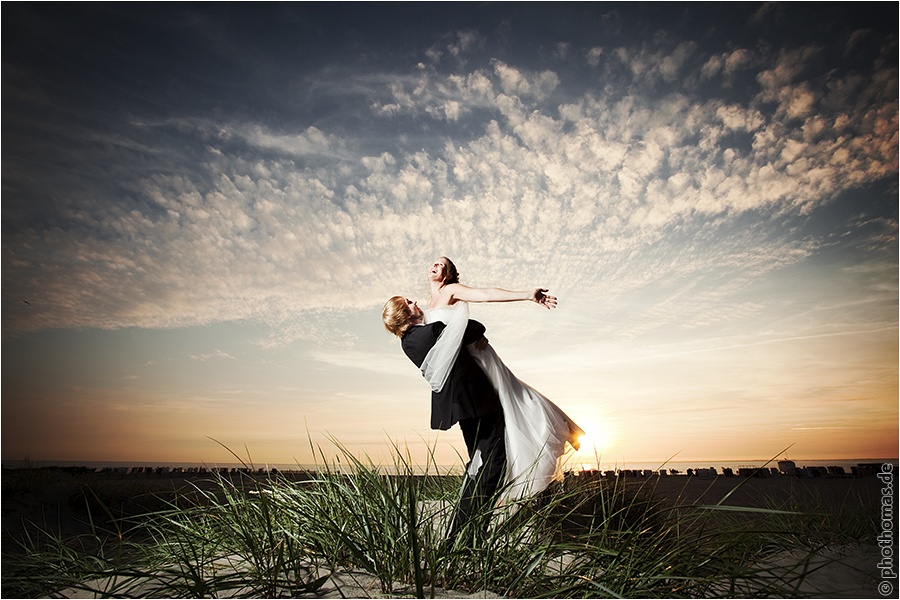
(469, 294)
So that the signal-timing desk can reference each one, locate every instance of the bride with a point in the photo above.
(536, 429)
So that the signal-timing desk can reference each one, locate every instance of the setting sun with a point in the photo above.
(594, 442)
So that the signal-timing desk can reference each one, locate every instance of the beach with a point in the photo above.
(839, 571)
(847, 568)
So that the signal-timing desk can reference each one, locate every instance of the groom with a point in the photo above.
(467, 398)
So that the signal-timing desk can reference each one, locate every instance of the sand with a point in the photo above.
(846, 571)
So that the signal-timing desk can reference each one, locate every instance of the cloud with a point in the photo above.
(211, 355)
(651, 62)
(515, 83)
(602, 190)
(727, 64)
(592, 56)
(456, 47)
(310, 142)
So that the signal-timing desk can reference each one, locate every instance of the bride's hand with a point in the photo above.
(541, 296)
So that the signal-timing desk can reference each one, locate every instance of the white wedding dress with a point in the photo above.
(537, 431)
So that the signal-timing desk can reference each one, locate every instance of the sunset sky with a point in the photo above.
(205, 207)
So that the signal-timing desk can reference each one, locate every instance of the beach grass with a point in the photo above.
(363, 530)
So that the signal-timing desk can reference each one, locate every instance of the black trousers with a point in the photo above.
(484, 437)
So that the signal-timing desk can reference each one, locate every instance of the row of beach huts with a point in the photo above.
(783, 468)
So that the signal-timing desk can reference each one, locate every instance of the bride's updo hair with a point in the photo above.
(396, 316)
(452, 273)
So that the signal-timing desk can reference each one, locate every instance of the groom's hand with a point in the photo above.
(480, 344)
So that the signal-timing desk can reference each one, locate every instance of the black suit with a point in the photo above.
(469, 398)
(468, 393)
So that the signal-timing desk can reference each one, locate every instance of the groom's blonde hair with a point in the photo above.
(396, 316)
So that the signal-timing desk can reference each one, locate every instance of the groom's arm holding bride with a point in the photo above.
(403, 318)
(417, 341)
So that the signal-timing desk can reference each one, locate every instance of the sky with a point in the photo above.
(205, 207)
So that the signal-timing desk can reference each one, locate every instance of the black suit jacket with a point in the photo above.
(468, 392)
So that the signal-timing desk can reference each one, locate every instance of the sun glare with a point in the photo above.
(594, 442)
(585, 441)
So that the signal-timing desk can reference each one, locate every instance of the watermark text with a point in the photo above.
(887, 565)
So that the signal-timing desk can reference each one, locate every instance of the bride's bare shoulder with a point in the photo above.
(444, 296)
(452, 291)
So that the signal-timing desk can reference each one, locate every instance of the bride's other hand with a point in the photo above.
(541, 296)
